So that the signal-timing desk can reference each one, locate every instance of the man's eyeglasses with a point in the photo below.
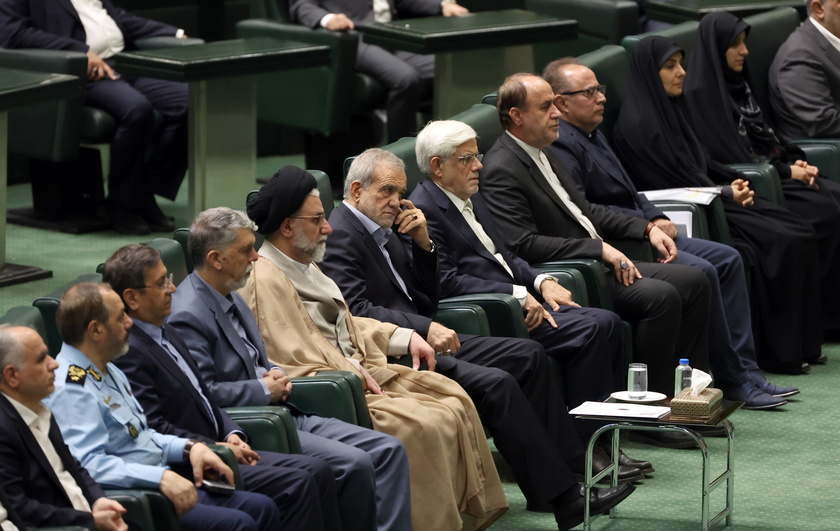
(588, 92)
(163, 284)
(468, 158)
(316, 219)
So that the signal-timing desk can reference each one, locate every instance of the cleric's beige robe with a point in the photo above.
(450, 464)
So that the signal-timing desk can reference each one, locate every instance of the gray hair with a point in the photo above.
(364, 165)
(215, 229)
(11, 349)
(440, 139)
(555, 74)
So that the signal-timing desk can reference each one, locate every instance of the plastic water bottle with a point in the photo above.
(682, 376)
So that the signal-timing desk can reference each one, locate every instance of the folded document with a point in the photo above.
(621, 409)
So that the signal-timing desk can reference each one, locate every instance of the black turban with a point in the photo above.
(281, 197)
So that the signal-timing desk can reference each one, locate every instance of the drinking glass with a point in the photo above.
(637, 381)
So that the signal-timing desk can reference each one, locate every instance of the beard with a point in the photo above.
(314, 250)
(234, 285)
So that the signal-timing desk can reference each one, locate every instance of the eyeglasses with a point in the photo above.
(316, 219)
(468, 158)
(588, 92)
(162, 285)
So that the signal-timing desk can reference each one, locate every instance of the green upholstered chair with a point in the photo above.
(600, 22)
(181, 236)
(48, 305)
(67, 181)
(25, 316)
(269, 428)
(172, 255)
(682, 34)
(337, 394)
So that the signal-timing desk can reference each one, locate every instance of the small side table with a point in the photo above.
(616, 424)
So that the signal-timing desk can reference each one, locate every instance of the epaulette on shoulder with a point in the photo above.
(76, 375)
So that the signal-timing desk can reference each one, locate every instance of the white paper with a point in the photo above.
(683, 219)
(620, 409)
(700, 196)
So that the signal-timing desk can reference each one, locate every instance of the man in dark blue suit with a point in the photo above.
(40, 491)
(162, 373)
(600, 176)
(101, 30)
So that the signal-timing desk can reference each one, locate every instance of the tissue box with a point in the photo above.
(701, 407)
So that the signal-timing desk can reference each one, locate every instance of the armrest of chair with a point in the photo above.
(699, 218)
(504, 313)
(269, 428)
(637, 250)
(764, 180)
(593, 273)
(823, 153)
(466, 319)
(573, 280)
(55, 61)
(153, 43)
(138, 506)
(227, 456)
(336, 394)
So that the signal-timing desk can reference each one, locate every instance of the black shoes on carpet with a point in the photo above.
(140, 220)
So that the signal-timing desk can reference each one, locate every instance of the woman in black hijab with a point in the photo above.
(729, 122)
(656, 143)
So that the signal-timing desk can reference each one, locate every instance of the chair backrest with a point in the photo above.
(600, 22)
(181, 236)
(26, 316)
(48, 305)
(271, 9)
(682, 34)
(172, 255)
(769, 31)
(484, 119)
(610, 65)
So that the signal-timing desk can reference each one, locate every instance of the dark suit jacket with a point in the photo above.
(533, 221)
(805, 86)
(310, 12)
(55, 25)
(221, 355)
(600, 178)
(467, 266)
(356, 264)
(29, 481)
(11, 513)
(171, 402)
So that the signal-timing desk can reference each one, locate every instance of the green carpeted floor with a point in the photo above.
(785, 460)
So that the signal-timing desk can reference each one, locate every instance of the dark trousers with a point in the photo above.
(132, 102)
(670, 308)
(408, 79)
(243, 511)
(510, 384)
(302, 487)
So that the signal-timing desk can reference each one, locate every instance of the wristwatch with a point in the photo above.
(188, 447)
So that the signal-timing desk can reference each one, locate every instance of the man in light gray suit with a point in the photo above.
(407, 76)
(805, 76)
(218, 328)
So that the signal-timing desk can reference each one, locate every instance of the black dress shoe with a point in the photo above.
(822, 359)
(663, 439)
(157, 220)
(600, 501)
(806, 368)
(125, 221)
(600, 461)
(644, 466)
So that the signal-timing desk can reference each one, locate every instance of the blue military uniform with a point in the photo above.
(106, 430)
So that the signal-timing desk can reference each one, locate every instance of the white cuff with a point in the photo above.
(398, 344)
(539, 280)
(326, 19)
(520, 293)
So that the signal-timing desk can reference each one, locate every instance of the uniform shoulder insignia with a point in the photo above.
(76, 375)
(96, 375)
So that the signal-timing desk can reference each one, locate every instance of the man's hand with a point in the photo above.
(243, 452)
(741, 193)
(107, 515)
(664, 244)
(97, 68)
(411, 221)
(371, 384)
(279, 385)
(454, 10)
(421, 351)
(442, 339)
(556, 295)
(535, 313)
(179, 491)
(667, 226)
(626, 274)
(340, 22)
(203, 460)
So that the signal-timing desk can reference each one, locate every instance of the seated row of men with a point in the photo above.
(145, 368)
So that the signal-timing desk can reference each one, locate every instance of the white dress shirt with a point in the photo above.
(101, 31)
(833, 39)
